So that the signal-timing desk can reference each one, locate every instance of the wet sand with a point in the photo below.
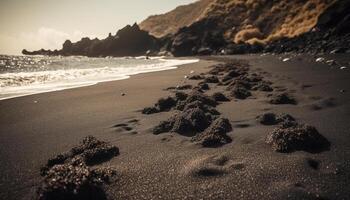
(169, 166)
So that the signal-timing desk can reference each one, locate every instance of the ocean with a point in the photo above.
(26, 75)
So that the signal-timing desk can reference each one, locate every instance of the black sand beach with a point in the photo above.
(169, 166)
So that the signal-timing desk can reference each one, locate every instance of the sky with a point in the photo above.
(36, 24)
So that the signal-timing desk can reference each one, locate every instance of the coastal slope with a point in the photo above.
(171, 22)
(243, 21)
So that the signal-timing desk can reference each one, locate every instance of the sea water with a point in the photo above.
(25, 75)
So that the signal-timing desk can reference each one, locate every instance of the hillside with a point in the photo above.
(265, 21)
(253, 26)
(250, 21)
(171, 22)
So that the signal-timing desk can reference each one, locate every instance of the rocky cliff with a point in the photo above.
(129, 41)
(237, 26)
(248, 21)
(171, 22)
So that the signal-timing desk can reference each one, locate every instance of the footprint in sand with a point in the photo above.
(242, 125)
(127, 127)
(280, 89)
(211, 166)
(305, 86)
(323, 104)
(314, 164)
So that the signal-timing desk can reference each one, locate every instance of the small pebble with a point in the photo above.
(320, 59)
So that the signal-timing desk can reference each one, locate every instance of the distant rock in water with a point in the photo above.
(129, 41)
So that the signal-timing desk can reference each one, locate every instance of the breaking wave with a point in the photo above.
(23, 75)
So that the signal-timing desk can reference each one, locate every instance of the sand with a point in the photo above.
(169, 166)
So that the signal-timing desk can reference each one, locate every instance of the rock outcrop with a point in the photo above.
(128, 41)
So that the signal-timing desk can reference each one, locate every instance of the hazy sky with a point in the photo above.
(33, 24)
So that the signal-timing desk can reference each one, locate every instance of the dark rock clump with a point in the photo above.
(67, 176)
(150, 110)
(283, 98)
(297, 138)
(232, 68)
(203, 86)
(288, 123)
(285, 118)
(184, 87)
(234, 73)
(263, 86)
(163, 127)
(198, 96)
(215, 135)
(206, 108)
(254, 78)
(183, 126)
(218, 96)
(91, 151)
(188, 122)
(94, 151)
(268, 119)
(240, 93)
(211, 79)
(273, 119)
(218, 69)
(180, 96)
(239, 83)
(165, 104)
(74, 181)
(196, 77)
(226, 80)
(180, 101)
(198, 119)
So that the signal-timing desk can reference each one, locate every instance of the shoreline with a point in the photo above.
(167, 66)
(169, 165)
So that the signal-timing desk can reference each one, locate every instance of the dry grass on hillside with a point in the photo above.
(262, 21)
(171, 22)
(249, 21)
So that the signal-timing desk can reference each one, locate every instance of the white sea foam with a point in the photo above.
(63, 73)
